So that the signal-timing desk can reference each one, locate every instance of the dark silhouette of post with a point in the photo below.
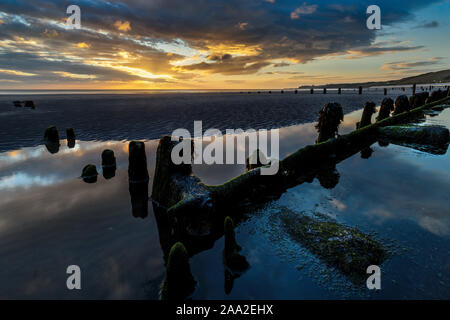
(360, 89)
(339, 91)
(385, 91)
(414, 89)
(324, 90)
(312, 91)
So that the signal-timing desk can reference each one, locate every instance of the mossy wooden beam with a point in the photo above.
(300, 165)
(186, 199)
(432, 139)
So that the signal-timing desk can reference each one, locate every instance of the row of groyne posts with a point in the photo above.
(360, 89)
(137, 169)
(179, 282)
(191, 216)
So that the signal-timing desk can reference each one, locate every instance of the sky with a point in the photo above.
(217, 44)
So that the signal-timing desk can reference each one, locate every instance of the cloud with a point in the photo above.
(163, 41)
(405, 65)
(428, 25)
(122, 25)
(83, 45)
(377, 49)
(228, 66)
(242, 25)
(17, 72)
(304, 9)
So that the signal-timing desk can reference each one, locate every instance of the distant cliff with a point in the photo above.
(426, 78)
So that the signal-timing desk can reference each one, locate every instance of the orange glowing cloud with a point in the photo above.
(122, 25)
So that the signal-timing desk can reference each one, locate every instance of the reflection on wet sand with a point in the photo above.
(366, 153)
(52, 147)
(71, 138)
(139, 199)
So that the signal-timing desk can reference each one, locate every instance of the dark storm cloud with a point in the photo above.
(316, 29)
(428, 25)
(411, 65)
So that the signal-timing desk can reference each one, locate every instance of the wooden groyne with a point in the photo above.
(184, 194)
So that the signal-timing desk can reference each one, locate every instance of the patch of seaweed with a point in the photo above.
(343, 248)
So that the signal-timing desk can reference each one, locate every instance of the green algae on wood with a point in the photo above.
(179, 282)
(330, 118)
(187, 200)
(346, 249)
(433, 139)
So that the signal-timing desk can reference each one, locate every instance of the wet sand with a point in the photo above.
(50, 218)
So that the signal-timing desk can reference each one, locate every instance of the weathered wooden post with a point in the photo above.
(89, 173)
(360, 89)
(29, 104)
(330, 117)
(385, 91)
(70, 135)
(419, 99)
(51, 134)
(324, 90)
(108, 164)
(414, 89)
(387, 105)
(401, 104)
(137, 162)
(179, 283)
(366, 118)
(339, 91)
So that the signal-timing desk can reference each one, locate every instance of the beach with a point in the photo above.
(50, 218)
